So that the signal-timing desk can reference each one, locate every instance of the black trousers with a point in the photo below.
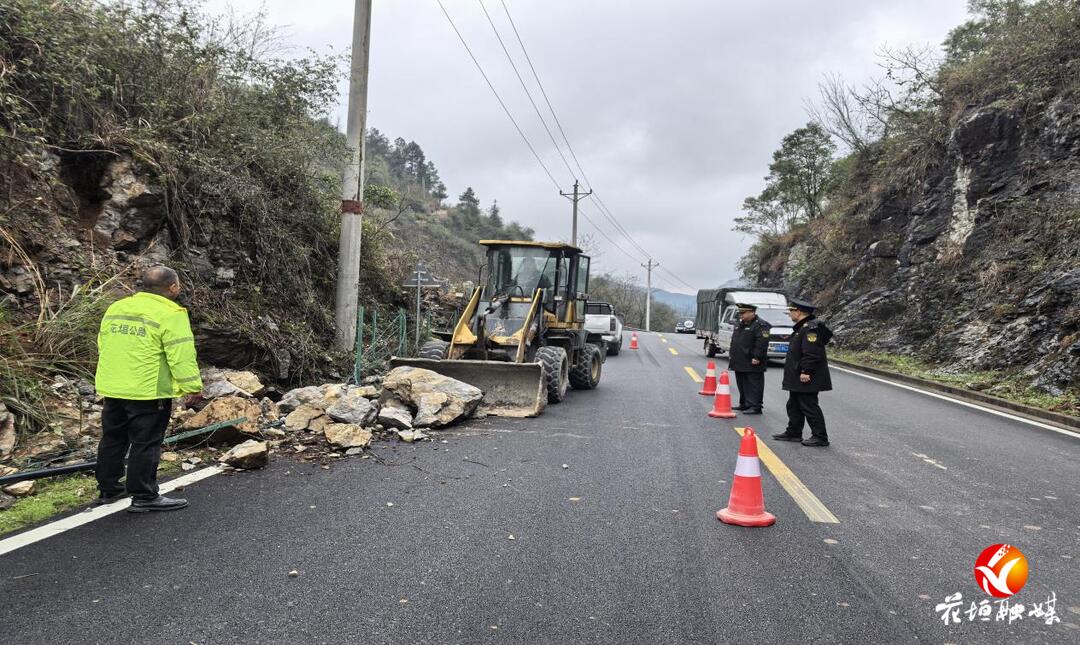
(136, 428)
(803, 407)
(751, 389)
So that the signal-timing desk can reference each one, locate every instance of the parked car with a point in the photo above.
(684, 327)
(600, 318)
(717, 317)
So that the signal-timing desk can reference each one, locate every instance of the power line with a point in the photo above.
(497, 97)
(526, 88)
(672, 274)
(604, 210)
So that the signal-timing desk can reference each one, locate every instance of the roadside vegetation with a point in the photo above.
(219, 117)
(57, 495)
(1010, 385)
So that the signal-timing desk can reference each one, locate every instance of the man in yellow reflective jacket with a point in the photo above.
(146, 358)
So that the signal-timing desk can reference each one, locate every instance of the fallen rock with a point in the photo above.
(347, 435)
(226, 409)
(318, 425)
(246, 381)
(409, 436)
(394, 414)
(301, 395)
(6, 501)
(352, 408)
(276, 433)
(217, 389)
(367, 391)
(248, 455)
(7, 432)
(439, 400)
(301, 418)
(20, 489)
(170, 456)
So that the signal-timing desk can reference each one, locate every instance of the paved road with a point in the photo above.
(621, 547)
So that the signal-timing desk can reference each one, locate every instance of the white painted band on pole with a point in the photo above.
(748, 467)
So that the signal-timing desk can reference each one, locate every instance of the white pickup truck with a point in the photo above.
(600, 318)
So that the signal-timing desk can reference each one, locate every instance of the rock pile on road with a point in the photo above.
(315, 423)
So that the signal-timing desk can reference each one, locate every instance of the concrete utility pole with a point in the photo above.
(352, 183)
(648, 292)
(575, 197)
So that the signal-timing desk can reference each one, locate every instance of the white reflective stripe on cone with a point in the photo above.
(748, 467)
(723, 389)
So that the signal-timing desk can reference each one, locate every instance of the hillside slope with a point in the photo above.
(956, 237)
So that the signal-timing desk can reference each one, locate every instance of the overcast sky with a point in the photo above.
(673, 108)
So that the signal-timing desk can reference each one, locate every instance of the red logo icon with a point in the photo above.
(1001, 570)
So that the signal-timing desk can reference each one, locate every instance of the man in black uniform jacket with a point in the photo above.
(748, 356)
(806, 372)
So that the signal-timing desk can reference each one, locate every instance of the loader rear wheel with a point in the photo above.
(434, 349)
(586, 372)
(556, 372)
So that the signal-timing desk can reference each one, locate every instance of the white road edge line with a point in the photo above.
(95, 513)
(968, 404)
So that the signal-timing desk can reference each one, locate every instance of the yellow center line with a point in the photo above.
(694, 375)
(807, 501)
(673, 351)
(663, 340)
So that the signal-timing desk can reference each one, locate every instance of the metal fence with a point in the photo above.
(382, 335)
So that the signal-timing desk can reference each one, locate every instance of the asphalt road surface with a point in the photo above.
(620, 547)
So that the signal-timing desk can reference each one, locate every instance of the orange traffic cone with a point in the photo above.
(633, 340)
(709, 389)
(746, 505)
(722, 403)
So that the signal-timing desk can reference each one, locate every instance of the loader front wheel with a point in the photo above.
(586, 372)
(435, 350)
(556, 371)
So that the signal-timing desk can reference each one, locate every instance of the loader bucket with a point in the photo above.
(510, 389)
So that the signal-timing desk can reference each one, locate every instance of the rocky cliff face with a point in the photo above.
(95, 215)
(977, 264)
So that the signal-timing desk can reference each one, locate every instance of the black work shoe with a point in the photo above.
(783, 436)
(109, 499)
(162, 503)
(753, 411)
(816, 442)
(739, 408)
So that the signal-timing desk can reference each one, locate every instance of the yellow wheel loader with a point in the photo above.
(522, 337)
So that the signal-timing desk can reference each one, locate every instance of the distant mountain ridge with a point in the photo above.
(683, 304)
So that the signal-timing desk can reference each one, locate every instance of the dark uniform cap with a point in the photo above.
(801, 305)
(745, 307)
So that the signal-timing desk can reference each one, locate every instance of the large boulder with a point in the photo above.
(301, 395)
(302, 417)
(395, 414)
(352, 408)
(347, 435)
(438, 400)
(248, 455)
(226, 409)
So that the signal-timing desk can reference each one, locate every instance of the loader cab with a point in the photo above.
(517, 269)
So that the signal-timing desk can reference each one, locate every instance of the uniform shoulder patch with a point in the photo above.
(811, 337)
(765, 333)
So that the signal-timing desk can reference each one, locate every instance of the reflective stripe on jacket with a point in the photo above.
(146, 350)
